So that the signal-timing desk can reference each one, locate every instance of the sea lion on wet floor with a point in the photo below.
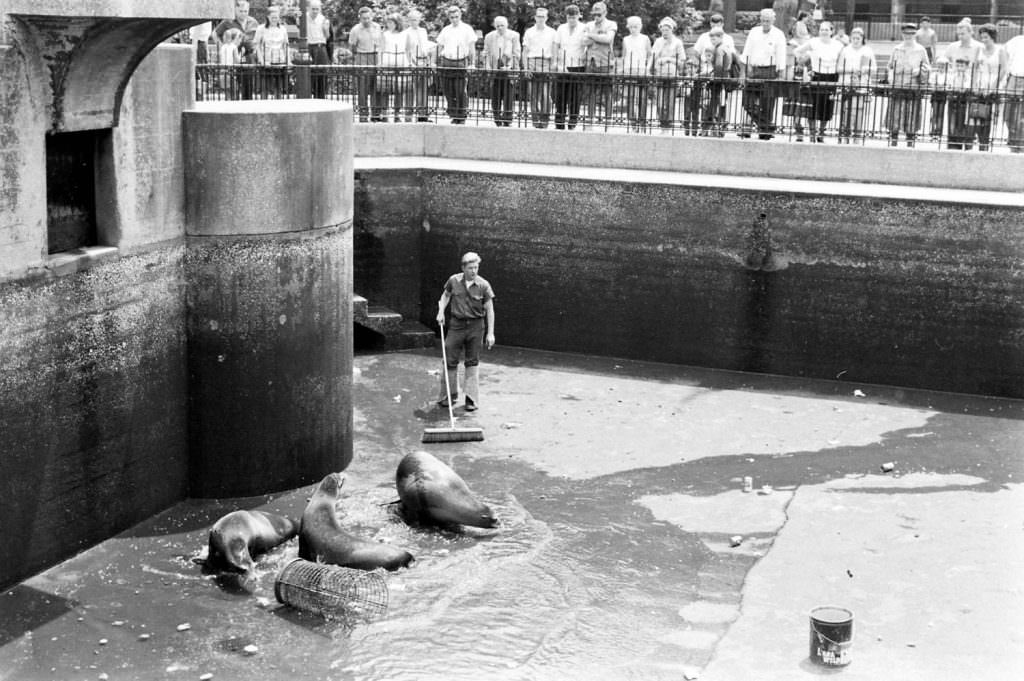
(322, 539)
(434, 494)
(237, 538)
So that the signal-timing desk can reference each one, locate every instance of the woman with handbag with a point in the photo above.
(981, 110)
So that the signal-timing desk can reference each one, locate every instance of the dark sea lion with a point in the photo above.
(321, 538)
(434, 494)
(237, 538)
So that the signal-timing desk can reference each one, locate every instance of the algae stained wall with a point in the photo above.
(93, 379)
(909, 293)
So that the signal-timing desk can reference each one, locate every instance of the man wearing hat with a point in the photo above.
(908, 70)
(570, 53)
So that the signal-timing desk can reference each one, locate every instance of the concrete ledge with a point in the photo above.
(655, 177)
(730, 157)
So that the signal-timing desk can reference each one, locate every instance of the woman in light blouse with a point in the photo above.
(856, 67)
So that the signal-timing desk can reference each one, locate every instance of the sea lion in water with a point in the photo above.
(322, 539)
(237, 538)
(434, 494)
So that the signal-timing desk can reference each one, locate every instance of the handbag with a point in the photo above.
(979, 110)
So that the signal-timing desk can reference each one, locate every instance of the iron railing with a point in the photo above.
(940, 110)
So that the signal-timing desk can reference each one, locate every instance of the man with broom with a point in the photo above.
(472, 301)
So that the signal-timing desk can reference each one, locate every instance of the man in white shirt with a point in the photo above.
(1013, 85)
(538, 62)
(318, 30)
(764, 59)
(570, 54)
(456, 51)
(501, 55)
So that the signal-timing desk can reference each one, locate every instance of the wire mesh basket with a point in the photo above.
(331, 591)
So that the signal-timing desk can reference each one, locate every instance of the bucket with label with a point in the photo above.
(831, 635)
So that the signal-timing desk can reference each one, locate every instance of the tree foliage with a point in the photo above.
(480, 13)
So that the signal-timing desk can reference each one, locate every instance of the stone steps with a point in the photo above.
(386, 330)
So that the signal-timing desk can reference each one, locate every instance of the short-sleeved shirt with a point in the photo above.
(467, 302)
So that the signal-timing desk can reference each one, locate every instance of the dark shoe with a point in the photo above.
(471, 405)
(443, 403)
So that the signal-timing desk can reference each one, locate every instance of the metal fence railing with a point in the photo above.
(942, 110)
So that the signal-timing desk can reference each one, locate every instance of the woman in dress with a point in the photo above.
(981, 109)
(394, 62)
(823, 55)
(856, 66)
(272, 52)
(715, 65)
(669, 54)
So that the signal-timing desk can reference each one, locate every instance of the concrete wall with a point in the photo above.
(911, 292)
(93, 378)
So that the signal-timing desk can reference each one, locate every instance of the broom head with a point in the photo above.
(453, 434)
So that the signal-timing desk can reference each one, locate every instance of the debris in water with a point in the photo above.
(206, 677)
(765, 489)
(509, 425)
(888, 467)
(850, 574)
(859, 393)
(144, 637)
(103, 641)
(184, 627)
(251, 649)
(748, 483)
(735, 540)
(397, 398)
(103, 676)
(117, 623)
(690, 674)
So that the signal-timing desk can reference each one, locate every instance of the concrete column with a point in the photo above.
(269, 271)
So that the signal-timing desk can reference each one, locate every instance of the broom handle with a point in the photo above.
(447, 386)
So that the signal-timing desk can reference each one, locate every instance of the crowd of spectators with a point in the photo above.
(823, 78)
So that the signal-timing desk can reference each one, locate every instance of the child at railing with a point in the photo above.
(230, 57)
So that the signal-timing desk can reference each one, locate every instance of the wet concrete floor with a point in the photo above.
(627, 548)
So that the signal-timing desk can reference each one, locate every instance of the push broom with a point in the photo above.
(451, 433)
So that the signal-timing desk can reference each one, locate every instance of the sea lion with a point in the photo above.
(322, 539)
(237, 538)
(434, 494)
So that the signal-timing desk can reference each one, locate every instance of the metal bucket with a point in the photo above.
(831, 635)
